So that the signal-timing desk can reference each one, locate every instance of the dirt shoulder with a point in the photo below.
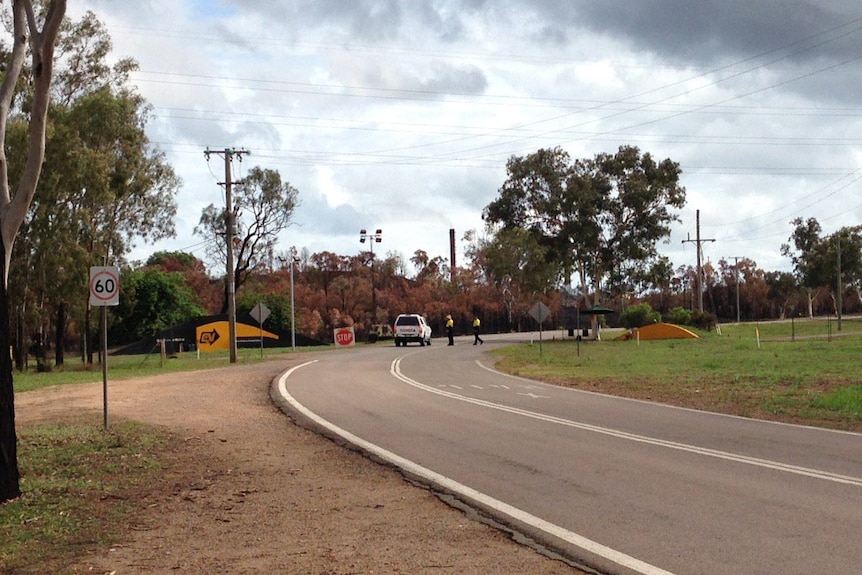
(248, 491)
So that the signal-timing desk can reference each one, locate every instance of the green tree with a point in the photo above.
(103, 186)
(194, 271)
(803, 241)
(679, 316)
(14, 207)
(639, 315)
(278, 304)
(783, 291)
(596, 217)
(263, 207)
(816, 258)
(152, 300)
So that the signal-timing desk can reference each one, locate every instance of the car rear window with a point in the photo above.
(407, 320)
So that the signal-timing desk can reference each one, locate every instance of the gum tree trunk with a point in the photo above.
(9, 476)
(13, 207)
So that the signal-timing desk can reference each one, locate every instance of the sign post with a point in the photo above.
(104, 291)
(260, 313)
(540, 312)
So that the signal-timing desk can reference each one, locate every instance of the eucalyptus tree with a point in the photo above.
(817, 259)
(14, 205)
(103, 185)
(263, 206)
(593, 217)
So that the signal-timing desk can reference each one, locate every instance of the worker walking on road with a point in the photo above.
(450, 327)
(477, 327)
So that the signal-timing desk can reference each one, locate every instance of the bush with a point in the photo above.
(639, 316)
(679, 316)
(703, 320)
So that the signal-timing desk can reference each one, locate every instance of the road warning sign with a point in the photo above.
(215, 335)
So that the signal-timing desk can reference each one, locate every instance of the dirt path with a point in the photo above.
(250, 492)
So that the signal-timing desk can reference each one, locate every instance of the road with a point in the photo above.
(619, 485)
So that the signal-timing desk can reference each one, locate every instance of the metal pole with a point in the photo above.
(105, 367)
(376, 237)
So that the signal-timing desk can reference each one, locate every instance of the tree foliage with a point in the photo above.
(816, 258)
(263, 206)
(152, 300)
(639, 315)
(102, 188)
(592, 216)
(14, 206)
(278, 303)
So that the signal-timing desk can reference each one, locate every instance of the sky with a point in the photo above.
(401, 115)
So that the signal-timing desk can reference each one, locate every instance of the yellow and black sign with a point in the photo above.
(216, 335)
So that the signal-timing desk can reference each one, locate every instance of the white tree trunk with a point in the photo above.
(13, 208)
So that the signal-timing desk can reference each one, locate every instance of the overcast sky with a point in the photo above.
(400, 115)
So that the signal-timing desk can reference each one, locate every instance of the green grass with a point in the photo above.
(800, 328)
(79, 484)
(803, 372)
(130, 366)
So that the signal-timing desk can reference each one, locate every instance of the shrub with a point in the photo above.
(639, 316)
(679, 316)
(703, 320)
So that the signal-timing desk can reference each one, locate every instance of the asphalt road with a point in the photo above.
(619, 485)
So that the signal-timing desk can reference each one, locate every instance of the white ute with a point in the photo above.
(411, 327)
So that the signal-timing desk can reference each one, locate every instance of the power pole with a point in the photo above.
(230, 230)
(699, 278)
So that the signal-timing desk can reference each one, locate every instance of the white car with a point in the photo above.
(411, 327)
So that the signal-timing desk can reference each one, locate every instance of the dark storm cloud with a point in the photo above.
(709, 33)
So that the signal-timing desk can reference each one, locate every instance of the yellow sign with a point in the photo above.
(216, 335)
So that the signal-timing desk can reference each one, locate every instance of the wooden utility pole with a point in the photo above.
(230, 231)
(699, 279)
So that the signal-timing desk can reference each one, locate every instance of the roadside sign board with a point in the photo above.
(260, 312)
(104, 285)
(540, 312)
(215, 335)
(344, 337)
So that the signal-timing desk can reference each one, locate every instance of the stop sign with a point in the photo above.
(344, 337)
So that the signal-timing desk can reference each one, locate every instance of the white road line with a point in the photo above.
(774, 465)
(516, 514)
(665, 406)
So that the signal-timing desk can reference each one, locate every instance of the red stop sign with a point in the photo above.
(344, 336)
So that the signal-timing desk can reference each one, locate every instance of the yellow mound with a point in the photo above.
(659, 331)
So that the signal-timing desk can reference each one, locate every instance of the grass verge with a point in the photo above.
(80, 484)
(130, 366)
(813, 377)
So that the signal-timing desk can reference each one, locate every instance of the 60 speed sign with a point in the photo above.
(104, 285)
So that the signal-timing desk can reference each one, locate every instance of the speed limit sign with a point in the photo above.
(104, 286)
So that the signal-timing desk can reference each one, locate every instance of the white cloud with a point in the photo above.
(401, 115)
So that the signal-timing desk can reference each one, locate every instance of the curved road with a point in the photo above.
(618, 485)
